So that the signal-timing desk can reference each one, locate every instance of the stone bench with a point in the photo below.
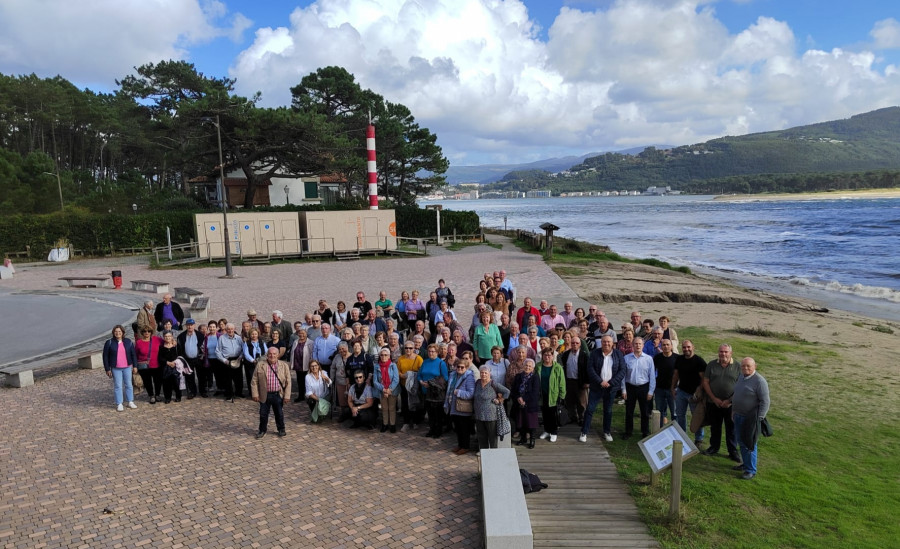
(187, 295)
(92, 361)
(87, 281)
(200, 310)
(150, 286)
(19, 376)
(505, 513)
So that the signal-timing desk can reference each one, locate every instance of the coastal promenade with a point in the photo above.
(75, 473)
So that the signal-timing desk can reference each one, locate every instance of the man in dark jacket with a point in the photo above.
(606, 370)
(168, 310)
(575, 363)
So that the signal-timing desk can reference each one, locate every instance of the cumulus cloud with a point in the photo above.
(611, 74)
(102, 40)
(886, 34)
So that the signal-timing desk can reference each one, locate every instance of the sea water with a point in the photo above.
(842, 253)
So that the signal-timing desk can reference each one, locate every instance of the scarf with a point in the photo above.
(523, 386)
(358, 389)
(385, 373)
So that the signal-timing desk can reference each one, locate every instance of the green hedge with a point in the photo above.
(92, 233)
(416, 222)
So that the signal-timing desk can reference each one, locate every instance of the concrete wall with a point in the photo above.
(264, 233)
(349, 230)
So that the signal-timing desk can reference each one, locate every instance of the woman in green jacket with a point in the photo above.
(486, 337)
(553, 390)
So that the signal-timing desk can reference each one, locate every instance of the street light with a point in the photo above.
(229, 273)
(287, 196)
(59, 186)
(134, 207)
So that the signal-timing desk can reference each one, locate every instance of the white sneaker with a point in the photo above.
(405, 428)
(608, 437)
(120, 408)
(544, 435)
(132, 405)
(552, 438)
(582, 438)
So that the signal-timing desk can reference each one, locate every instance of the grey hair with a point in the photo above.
(148, 302)
(278, 314)
(484, 368)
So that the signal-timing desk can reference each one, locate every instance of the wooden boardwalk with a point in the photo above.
(587, 504)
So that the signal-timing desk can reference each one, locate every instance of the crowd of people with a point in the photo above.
(509, 370)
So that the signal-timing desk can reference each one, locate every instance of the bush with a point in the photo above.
(415, 222)
(92, 233)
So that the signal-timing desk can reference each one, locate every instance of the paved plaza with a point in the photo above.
(75, 473)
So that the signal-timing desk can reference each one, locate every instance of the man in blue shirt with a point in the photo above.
(638, 387)
(324, 348)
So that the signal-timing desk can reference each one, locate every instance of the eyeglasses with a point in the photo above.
(410, 348)
(359, 377)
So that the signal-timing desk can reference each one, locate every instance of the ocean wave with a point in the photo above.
(861, 290)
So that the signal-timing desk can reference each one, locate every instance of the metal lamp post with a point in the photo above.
(229, 272)
(134, 208)
(287, 196)
(59, 186)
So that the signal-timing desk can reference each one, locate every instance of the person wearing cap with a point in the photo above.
(253, 320)
(190, 346)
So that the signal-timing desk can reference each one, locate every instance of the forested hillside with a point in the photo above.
(826, 152)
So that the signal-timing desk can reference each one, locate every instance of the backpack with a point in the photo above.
(531, 482)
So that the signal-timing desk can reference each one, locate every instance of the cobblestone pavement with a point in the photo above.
(75, 473)
(295, 288)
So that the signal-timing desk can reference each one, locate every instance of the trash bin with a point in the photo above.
(117, 279)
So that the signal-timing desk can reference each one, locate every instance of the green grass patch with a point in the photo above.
(759, 331)
(828, 478)
(456, 246)
(568, 270)
(883, 329)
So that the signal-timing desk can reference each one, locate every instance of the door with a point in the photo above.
(267, 238)
(370, 234)
(289, 236)
(247, 230)
(214, 238)
(317, 242)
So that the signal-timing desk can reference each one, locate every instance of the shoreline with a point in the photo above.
(825, 195)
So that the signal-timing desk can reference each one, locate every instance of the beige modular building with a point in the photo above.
(295, 233)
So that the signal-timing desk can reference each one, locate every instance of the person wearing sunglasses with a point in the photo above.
(458, 404)
(361, 403)
(409, 364)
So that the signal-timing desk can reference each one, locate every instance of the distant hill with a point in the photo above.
(861, 143)
(488, 173)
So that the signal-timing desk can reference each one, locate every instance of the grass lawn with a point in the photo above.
(829, 477)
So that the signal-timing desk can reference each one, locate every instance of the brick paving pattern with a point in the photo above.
(75, 473)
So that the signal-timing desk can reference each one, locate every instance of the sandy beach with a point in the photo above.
(829, 195)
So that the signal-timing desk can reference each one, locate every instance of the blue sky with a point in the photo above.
(503, 81)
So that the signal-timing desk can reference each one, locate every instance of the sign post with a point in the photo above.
(675, 493)
(668, 447)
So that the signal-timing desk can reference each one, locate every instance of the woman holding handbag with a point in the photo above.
(489, 395)
(433, 377)
(459, 405)
(168, 352)
(318, 386)
(147, 350)
(553, 390)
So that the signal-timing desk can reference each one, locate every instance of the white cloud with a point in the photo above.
(102, 40)
(629, 72)
(886, 34)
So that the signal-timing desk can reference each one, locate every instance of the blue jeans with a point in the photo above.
(594, 398)
(682, 402)
(665, 402)
(122, 377)
(748, 455)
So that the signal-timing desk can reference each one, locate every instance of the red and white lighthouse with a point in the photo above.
(370, 166)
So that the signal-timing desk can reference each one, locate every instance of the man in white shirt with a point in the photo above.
(638, 387)
(606, 370)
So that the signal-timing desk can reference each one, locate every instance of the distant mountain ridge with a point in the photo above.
(861, 143)
(489, 173)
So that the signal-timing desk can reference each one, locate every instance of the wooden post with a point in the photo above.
(675, 501)
(654, 428)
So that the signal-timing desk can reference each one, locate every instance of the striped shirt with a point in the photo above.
(272, 383)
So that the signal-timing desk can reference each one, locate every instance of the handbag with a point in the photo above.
(465, 405)
(137, 382)
(235, 363)
(503, 426)
(562, 415)
(765, 429)
(320, 411)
